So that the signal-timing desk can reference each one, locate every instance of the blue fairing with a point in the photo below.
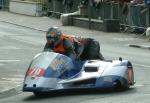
(77, 66)
(102, 83)
(52, 71)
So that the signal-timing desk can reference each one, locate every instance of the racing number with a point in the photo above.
(37, 72)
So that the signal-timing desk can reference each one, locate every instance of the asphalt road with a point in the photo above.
(18, 45)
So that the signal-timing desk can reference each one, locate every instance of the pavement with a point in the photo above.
(41, 24)
(37, 23)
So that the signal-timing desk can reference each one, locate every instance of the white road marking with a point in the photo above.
(12, 79)
(9, 47)
(13, 28)
(138, 85)
(18, 76)
(146, 66)
(27, 41)
(1, 64)
(15, 81)
(9, 60)
(7, 26)
(123, 39)
(2, 33)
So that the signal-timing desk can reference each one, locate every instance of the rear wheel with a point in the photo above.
(117, 85)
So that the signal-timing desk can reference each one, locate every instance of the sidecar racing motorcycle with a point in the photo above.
(50, 71)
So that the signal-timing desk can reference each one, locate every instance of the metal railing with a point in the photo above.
(129, 17)
(104, 10)
(63, 6)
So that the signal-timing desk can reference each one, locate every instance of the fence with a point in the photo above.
(129, 16)
(58, 7)
(4, 4)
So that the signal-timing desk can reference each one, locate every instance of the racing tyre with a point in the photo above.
(117, 85)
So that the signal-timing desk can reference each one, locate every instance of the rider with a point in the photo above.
(74, 47)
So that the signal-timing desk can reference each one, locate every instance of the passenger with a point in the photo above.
(76, 48)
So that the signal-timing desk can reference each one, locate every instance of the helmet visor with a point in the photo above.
(53, 38)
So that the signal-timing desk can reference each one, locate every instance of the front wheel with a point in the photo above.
(37, 94)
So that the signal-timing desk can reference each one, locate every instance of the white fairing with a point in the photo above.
(48, 82)
(100, 65)
(115, 67)
(53, 71)
(102, 68)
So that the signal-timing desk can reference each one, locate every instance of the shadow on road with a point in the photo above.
(77, 92)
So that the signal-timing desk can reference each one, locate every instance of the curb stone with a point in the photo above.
(22, 26)
(140, 46)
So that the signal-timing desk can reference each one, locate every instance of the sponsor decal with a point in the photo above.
(57, 64)
(36, 72)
